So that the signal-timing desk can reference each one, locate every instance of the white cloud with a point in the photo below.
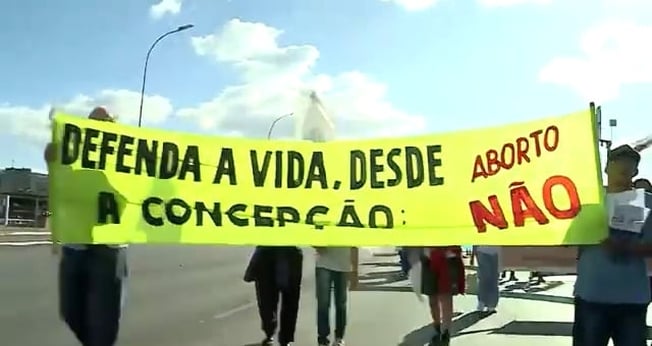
(32, 126)
(506, 3)
(165, 7)
(273, 80)
(614, 54)
(414, 5)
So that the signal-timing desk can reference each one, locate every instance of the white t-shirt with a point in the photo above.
(489, 250)
(334, 258)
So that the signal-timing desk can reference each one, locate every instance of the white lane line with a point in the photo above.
(234, 311)
(24, 233)
(25, 243)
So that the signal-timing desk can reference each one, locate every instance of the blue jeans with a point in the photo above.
(488, 277)
(91, 293)
(596, 323)
(328, 281)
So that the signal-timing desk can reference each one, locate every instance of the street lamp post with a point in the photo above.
(142, 87)
(271, 127)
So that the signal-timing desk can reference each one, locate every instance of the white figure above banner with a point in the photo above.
(314, 122)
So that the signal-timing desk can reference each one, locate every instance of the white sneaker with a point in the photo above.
(338, 342)
(480, 307)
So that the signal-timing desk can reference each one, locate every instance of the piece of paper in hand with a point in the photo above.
(627, 210)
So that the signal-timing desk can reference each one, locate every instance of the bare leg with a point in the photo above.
(434, 310)
(445, 302)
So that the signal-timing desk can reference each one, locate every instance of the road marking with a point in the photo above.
(234, 311)
(25, 243)
(25, 233)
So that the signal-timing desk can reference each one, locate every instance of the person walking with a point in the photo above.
(442, 278)
(91, 279)
(277, 274)
(333, 268)
(488, 278)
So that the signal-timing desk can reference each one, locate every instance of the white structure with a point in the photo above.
(314, 123)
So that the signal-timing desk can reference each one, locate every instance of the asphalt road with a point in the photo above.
(190, 295)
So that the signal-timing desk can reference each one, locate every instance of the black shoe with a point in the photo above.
(436, 340)
(268, 341)
(446, 338)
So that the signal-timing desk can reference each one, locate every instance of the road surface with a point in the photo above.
(195, 296)
(188, 295)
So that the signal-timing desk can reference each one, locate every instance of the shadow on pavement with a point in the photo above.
(380, 280)
(372, 288)
(539, 328)
(530, 287)
(538, 297)
(536, 328)
(422, 336)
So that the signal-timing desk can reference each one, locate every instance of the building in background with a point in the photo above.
(23, 197)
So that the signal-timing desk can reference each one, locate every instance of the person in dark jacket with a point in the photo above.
(277, 273)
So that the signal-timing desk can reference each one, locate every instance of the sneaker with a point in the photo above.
(480, 307)
(269, 341)
(338, 342)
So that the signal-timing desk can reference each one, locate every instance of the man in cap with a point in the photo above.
(91, 279)
(612, 291)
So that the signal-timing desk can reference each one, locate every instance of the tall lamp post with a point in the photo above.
(142, 87)
(271, 127)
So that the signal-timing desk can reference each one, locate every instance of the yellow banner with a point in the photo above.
(534, 183)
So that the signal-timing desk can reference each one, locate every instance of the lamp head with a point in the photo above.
(185, 27)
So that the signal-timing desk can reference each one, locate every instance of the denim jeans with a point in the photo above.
(91, 293)
(488, 276)
(328, 281)
(625, 324)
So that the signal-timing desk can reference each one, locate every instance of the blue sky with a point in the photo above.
(382, 67)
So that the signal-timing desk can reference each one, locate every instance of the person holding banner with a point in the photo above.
(277, 273)
(488, 277)
(612, 291)
(91, 279)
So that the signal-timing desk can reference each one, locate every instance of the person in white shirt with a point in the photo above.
(91, 279)
(488, 277)
(333, 268)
